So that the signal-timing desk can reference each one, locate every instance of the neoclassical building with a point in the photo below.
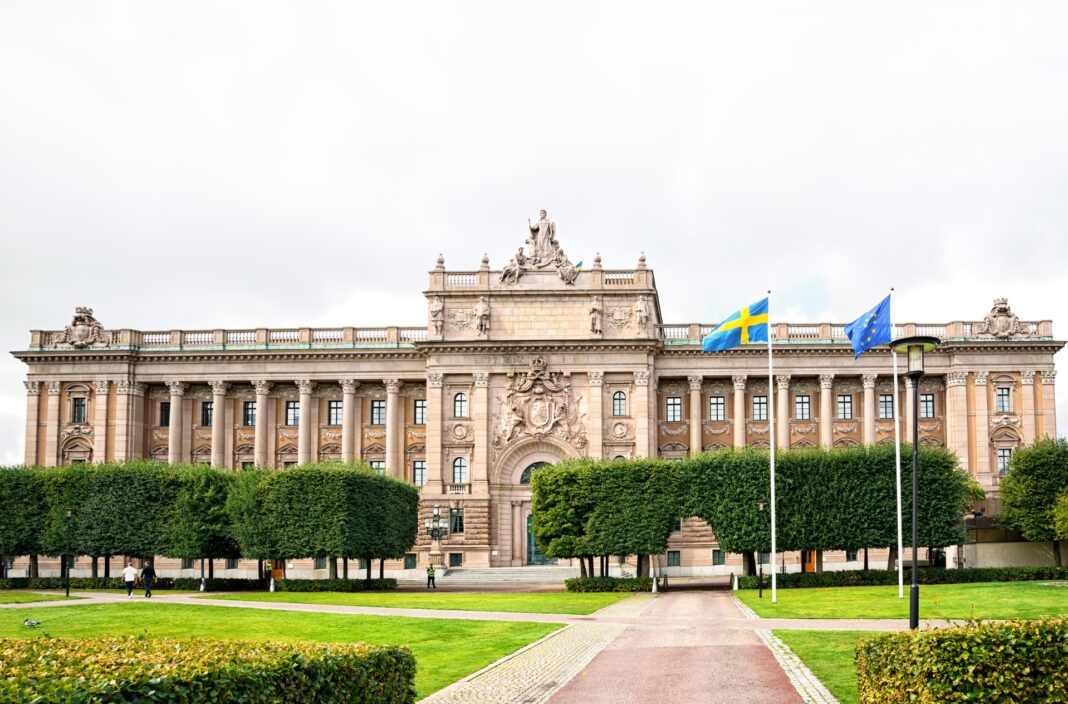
(532, 364)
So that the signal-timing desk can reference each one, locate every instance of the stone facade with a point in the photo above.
(538, 363)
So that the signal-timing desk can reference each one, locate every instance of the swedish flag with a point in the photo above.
(750, 324)
(871, 329)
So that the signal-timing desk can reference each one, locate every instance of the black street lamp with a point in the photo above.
(67, 558)
(436, 529)
(914, 348)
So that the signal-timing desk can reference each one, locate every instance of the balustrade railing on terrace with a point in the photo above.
(784, 333)
(271, 338)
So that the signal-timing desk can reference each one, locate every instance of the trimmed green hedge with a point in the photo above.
(160, 583)
(871, 578)
(196, 670)
(1009, 661)
(609, 584)
(221, 584)
(335, 585)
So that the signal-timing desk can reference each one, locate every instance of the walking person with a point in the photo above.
(147, 575)
(430, 577)
(129, 576)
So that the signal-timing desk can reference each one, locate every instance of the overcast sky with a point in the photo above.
(226, 164)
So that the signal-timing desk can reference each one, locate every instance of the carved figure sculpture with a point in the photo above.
(85, 330)
(641, 314)
(515, 268)
(482, 315)
(542, 241)
(565, 268)
(539, 403)
(595, 316)
(437, 313)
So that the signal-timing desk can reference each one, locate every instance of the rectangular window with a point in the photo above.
(248, 465)
(320, 563)
(1002, 399)
(409, 561)
(364, 564)
(248, 414)
(378, 412)
(619, 404)
(674, 409)
(419, 411)
(717, 408)
(77, 410)
(378, 466)
(292, 412)
(231, 563)
(802, 407)
(289, 463)
(419, 472)
(851, 555)
(164, 413)
(927, 409)
(845, 407)
(456, 520)
(765, 558)
(1004, 456)
(456, 559)
(333, 412)
(760, 408)
(886, 407)
(187, 563)
(676, 526)
(719, 557)
(674, 558)
(207, 412)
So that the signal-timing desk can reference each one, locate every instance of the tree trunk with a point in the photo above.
(381, 568)
(344, 568)
(865, 559)
(582, 567)
(1057, 553)
(748, 563)
(590, 560)
(107, 566)
(211, 568)
(259, 570)
(96, 567)
(892, 559)
(202, 568)
(34, 567)
(331, 563)
(368, 568)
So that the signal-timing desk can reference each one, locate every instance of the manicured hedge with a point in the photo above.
(146, 670)
(1009, 661)
(335, 585)
(221, 584)
(869, 578)
(160, 583)
(609, 584)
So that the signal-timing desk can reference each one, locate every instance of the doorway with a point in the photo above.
(534, 556)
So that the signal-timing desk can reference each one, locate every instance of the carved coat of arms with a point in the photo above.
(1001, 321)
(85, 331)
(539, 403)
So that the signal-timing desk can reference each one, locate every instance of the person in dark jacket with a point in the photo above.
(430, 577)
(147, 575)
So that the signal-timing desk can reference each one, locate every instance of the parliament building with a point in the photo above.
(535, 363)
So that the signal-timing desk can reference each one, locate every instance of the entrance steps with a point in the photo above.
(540, 573)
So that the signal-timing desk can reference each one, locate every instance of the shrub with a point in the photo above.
(15, 583)
(1009, 661)
(609, 584)
(335, 585)
(97, 584)
(135, 669)
(872, 578)
(221, 584)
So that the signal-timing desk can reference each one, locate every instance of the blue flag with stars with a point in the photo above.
(871, 329)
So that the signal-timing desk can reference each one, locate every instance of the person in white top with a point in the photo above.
(129, 576)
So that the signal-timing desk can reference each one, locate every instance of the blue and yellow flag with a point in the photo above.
(871, 329)
(750, 324)
(578, 267)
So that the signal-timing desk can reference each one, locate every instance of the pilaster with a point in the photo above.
(304, 429)
(642, 424)
(595, 427)
(33, 408)
(1049, 404)
(1027, 405)
(982, 426)
(100, 420)
(52, 424)
(738, 380)
(348, 419)
(393, 431)
(910, 416)
(782, 412)
(868, 381)
(696, 444)
(218, 423)
(175, 431)
(480, 423)
(826, 410)
(957, 414)
(263, 388)
(435, 417)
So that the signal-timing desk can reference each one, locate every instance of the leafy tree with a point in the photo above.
(198, 524)
(22, 511)
(1037, 476)
(1060, 517)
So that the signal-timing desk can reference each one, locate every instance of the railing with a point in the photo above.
(198, 338)
(461, 279)
(371, 335)
(457, 488)
(151, 339)
(618, 278)
(803, 332)
(675, 332)
(283, 336)
(241, 337)
(932, 330)
(412, 334)
(335, 335)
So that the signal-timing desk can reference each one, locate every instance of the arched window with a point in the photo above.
(525, 478)
(459, 471)
(459, 406)
(619, 404)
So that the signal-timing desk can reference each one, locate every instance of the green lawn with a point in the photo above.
(445, 649)
(829, 654)
(985, 600)
(536, 603)
(30, 597)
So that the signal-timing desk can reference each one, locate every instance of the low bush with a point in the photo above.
(1008, 661)
(872, 578)
(220, 584)
(335, 585)
(195, 670)
(15, 583)
(95, 584)
(609, 584)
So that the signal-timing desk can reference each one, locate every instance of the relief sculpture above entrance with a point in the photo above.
(539, 403)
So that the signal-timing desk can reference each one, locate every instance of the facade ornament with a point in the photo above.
(738, 380)
(33, 388)
(716, 388)
(826, 381)
(710, 429)
(515, 268)
(567, 271)
(539, 403)
(305, 386)
(481, 379)
(102, 386)
(666, 430)
(868, 380)
(782, 382)
(909, 383)
(596, 378)
(695, 381)
(956, 378)
(460, 431)
(482, 316)
(1001, 321)
(884, 427)
(845, 427)
(219, 388)
(1005, 421)
(349, 386)
(596, 315)
(393, 386)
(1027, 376)
(1048, 376)
(439, 264)
(437, 313)
(81, 430)
(85, 331)
(981, 377)
(641, 315)
(542, 241)
(622, 431)
(54, 387)
(262, 386)
(930, 427)
(804, 429)
(201, 435)
(761, 429)
(435, 380)
(177, 388)
(619, 317)
(641, 378)
(459, 319)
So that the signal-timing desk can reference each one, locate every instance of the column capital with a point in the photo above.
(868, 380)
(102, 386)
(305, 386)
(1048, 376)
(130, 388)
(54, 387)
(262, 386)
(177, 388)
(956, 378)
(827, 381)
(782, 381)
(33, 388)
(980, 378)
(739, 382)
(596, 378)
(435, 380)
(481, 379)
(1027, 376)
(641, 378)
(348, 386)
(393, 386)
(516, 504)
(695, 381)
(219, 388)
(909, 383)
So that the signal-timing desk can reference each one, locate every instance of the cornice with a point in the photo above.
(406, 353)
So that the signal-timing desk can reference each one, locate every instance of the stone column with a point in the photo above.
(595, 427)
(434, 430)
(869, 408)
(1027, 405)
(782, 413)
(52, 424)
(480, 423)
(643, 440)
(739, 409)
(263, 388)
(696, 443)
(348, 419)
(517, 533)
(175, 431)
(957, 415)
(218, 423)
(129, 420)
(982, 425)
(1049, 404)
(33, 405)
(100, 421)
(910, 399)
(393, 429)
(304, 429)
(826, 410)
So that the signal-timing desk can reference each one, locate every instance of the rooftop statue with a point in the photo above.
(543, 253)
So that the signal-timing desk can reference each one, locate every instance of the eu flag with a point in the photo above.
(750, 324)
(870, 329)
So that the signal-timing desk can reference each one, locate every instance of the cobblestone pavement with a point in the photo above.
(807, 684)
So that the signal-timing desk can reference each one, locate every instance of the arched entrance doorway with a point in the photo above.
(534, 556)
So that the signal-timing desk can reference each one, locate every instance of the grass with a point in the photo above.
(536, 603)
(445, 649)
(30, 597)
(980, 601)
(829, 654)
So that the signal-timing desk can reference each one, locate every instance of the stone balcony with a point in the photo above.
(832, 333)
(245, 339)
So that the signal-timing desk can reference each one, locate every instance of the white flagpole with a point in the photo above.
(897, 464)
(771, 433)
